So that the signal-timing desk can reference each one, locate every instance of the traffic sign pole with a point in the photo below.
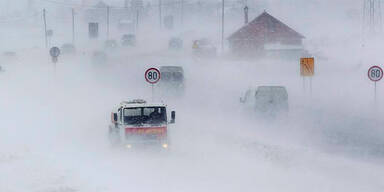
(310, 86)
(54, 52)
(152, 76)
(307, 69)
(375, 92)
(54, 65)
(375, 74)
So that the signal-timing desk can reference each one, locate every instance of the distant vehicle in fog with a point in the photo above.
(110, 45)
(138, 123)
(128, 40)
(267, 100)
(68, 48)
(9, 57)
(172, 79)
(126, 25)
(203, 47)
(99, 57)
(10, 54)
(175, 43)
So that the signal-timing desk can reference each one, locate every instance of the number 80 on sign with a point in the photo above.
(375, 73)
(152, 75)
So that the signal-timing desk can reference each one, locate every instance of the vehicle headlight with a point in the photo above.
(165, 146)
(128, 146)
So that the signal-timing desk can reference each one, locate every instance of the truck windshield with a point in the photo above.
(145, 115)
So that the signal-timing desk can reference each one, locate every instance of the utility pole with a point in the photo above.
(45, 28)
(108, 22)
(372, 18)
(246, 15)
(73, 26)
(182, 12)
(222, 26)
(160, 16)
(137, 18)
(137, 6)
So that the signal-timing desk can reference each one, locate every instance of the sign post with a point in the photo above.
(152, 76)
(375, 74)
(307, 69)
(54, 52)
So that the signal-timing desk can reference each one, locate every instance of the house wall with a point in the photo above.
(246, 47)
(255, 48)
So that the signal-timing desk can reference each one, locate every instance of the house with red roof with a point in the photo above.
(266, 36)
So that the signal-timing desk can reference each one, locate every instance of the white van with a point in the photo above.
(267, 99)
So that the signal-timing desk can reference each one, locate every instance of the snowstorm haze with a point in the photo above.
(55, 116)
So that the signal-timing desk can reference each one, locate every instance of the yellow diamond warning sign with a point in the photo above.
(307, 67)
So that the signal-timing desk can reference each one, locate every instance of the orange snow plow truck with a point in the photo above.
(138, 123)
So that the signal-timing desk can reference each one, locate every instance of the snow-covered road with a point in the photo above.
(54, 125)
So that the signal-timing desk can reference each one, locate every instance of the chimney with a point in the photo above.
(246, 14)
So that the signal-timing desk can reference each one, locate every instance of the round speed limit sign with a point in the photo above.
(152, 75)
(375, 73)
(54, 51)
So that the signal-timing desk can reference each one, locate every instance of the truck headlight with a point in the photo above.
(165, 146)
(128, 146)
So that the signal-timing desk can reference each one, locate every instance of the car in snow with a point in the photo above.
(203, 47)
(10, 54)
(128, 40)
(68, 48)
(99, 57)
(175, 43)
(139, 123)
(172, 79)
(126, 25)
(110, 45)
(267, 100)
